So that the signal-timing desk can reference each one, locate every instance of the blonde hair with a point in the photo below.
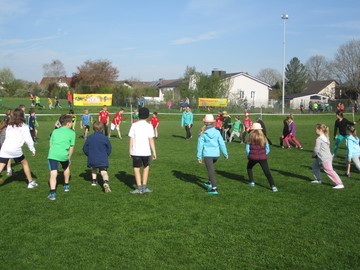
(324, 128)
(257, 137)
(202, 130)
(351, 131)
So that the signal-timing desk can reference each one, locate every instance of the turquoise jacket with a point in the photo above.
(210, 143)
(352, 145)
(187, 118)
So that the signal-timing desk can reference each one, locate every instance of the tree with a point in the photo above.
(6, 76)
(55, 69)
(270, 76)
(212, 86)
(187, 86)
(95, 75)
(296, 76)
(318, 68)
(346, 64)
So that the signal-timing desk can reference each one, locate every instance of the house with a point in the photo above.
(246, 88)
(315, 91)
(62, 82)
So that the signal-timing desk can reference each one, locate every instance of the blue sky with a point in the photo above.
(148, 40)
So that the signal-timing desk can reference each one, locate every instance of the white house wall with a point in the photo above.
(247, 84)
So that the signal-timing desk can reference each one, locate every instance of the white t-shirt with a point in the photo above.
(141, 132)
(14, 140)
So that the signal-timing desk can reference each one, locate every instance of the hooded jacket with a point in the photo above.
(352, 146)
(97, 147)
(322, 148)
(210, 143)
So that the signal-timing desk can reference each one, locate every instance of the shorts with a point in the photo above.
(140, 161)
(113, 126)
(101, 168)
(17, 160)
(87, 127)
(54, 164)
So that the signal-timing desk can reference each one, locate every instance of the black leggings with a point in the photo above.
(264, 166)
(188, 133)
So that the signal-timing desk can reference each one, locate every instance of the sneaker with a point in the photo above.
(288, 147)
(301, 148)
(94, 183)
(147, 190)
(32, 184)
(66, 188)
(106, 187)
(339, 187)
(345, 174)
(213, 191)
(274, 189)
(136, 191)
(252, 184)
(282, 147)
(120, 138)
(207, 184)
(9, 172)
(52, 196)
(109, 136)
(316, 182)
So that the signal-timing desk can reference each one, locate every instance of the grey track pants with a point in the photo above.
(209, 163)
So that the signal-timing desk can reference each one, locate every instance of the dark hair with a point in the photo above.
(18, 118)
(22, 106)
(144, 113)
(31, 111)
(98, 126)
(155, 113)
(339, 113)
(71, 112)
(64, 119)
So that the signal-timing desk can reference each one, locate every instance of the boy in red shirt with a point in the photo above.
(104, 117)
(154, 120)
(115, 123)
(247, 122)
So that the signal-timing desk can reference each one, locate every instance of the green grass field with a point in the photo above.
(180, 226)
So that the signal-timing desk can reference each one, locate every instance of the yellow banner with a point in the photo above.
(92, 99)
(213, 102)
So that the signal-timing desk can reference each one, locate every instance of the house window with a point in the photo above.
(253, 95)
(242, 94)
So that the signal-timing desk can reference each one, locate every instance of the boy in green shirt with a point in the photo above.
(62, 144)
(237, 128)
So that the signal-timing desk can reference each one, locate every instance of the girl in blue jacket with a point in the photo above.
(353, 149)
(210, 143)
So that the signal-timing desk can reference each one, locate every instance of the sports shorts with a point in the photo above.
(54, 164)
(140, 161)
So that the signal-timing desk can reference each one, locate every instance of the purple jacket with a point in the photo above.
(292, 129)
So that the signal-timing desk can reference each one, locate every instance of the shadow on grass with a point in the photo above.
(238, 177)
(301, 177)
(127, 179)
(17, 176)
(86, 175)
(178, 136)
(190, 178)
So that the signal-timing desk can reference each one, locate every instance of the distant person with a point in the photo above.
(116, 122)
(86, 121)
(210, 143)
(57, 102)
(154, 120)
(187, 122)
(261, 122)
(104, 117)
(17, 134)
(247, 123)
(37, 102)
(302, 106)
(73, 119)
(340, 124)
(187, 102)
(237, 128)
(257, 150)
(31, 122)
(62, 143)
(32, 100)
(226, 126)
(141, 146)
(98, 149)
(70, 99)
(143, 101)
(323, 157)
(353, 149)
(50, 103)
(292, 133)
(182, 105)
(285, 132)
(135, 116)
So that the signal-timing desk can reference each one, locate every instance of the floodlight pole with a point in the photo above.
(284, 17)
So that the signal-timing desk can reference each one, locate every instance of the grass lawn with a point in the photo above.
(180, 226)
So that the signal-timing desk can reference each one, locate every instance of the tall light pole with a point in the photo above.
(284, 17)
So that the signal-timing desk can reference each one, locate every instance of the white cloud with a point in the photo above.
(185, 40)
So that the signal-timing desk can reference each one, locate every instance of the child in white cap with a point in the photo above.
(210, 143)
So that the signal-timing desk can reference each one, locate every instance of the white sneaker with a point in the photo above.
(32, 184)
(316, 182)
(9, 172)
(339, 187)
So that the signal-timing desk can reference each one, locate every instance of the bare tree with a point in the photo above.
(54, 69)
(270, 76)
(318, 68)
(346, 65)
(94, 75)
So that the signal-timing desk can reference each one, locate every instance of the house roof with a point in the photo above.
(173, 83)
(46, 80)
(229, 75)
(314, 87)
(297, 95)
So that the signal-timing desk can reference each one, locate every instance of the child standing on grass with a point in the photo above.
(247, 123)
(257, 150)
(340, 124)
(292, 134)
(73, 119)
(237, 128)
(141, 145)
(187, 118)
(50, 103)
(210, 143)
(285, 132)
(154, 120)
(31, 122)
(115, 123)
(135, 116)
(104, 117)
(323, 157)
(353, 149)
(98, 149)
(226, 125)
(17, 133)
(86, 121)
(218, 121)
(62, 144)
